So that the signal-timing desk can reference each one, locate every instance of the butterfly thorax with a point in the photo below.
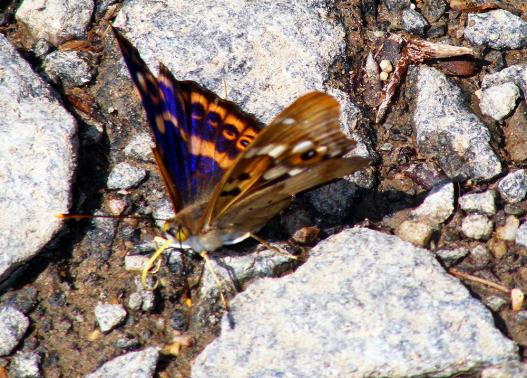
(186, 231)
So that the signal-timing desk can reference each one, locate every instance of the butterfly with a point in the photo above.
(225, 174)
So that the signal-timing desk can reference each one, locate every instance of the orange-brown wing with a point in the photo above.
(304, 135)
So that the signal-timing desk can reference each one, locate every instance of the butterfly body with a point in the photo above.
(226, 175)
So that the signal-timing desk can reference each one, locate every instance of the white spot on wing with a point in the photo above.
(302, 147)
(296, 171)
(288, 121)
(277, 151)
(275, 172)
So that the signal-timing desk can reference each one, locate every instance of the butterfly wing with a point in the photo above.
(301, 148)
(254, 210)
(198, 135)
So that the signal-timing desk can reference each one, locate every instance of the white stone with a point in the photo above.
(499, 101)
(347, 311)
(521, 235)
(109, 316)
(483, 203)
(56, 21)
(37, 156)
(513, 187)
(509, 229)
(437, 206)
(125, 176)
(476, 226)
(497, 29)
(140, 364)
(14, 325)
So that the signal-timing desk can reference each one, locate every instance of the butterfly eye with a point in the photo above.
(182, 234)
(310, 154)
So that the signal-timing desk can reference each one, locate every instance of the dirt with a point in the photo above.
(84, 265)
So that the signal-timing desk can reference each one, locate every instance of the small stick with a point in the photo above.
(272, 248)
(470, 277)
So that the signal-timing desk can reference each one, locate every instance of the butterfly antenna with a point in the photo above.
(205, 257)
(272, 248)
(90, 216)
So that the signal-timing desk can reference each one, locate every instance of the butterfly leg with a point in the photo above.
(150, 263)
(205, 257)
(272, 248)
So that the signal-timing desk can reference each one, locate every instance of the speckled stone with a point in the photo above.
(125, 176)
(497, 29)
(499, 101)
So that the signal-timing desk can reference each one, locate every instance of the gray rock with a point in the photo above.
(142, 298)
(513, 187)
(125, 176)
(483, 203)
(516, 74)
(449, 132)
(37, 148)
(438, 205)
(396, 5)
(480, 255)
(499, 101)
(414, 22)
(69, 68)
(450, 256)
(14, 326)
(521, 235)
(511, 369)
(25, 365)
(141, 364)
(56, 21)
(234, 273)
(140, 147)
(476, 226)
(268, 53)
(109, 316)
(135, 263)
(313, 320)
(494, 302)
(41, 47)
(497, 29)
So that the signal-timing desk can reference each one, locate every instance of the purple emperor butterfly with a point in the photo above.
(225, 175)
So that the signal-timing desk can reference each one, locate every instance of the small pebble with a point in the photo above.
(483, 203)
(125, 176)
(135, 301)
(135, 263)
(132, 364)
(437, 206)
(415, 232)
(450, 256)
(498, 248)
(521, 235)
(509, 229)
(14, 325)
(25, 365)
(494, 302)
(386, 66)
(480, 255)
(413, 22)
(477, 227)
(499, 101)
(513, 187)
(140, 147)
(109, 316)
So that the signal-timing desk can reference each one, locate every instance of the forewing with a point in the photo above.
(304, 135)
(198, 135)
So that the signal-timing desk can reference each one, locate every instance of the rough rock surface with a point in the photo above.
(56, 21)
(449, 132)
(141, 364)
(37, 148)
(279, 50)
(497, 29)
(314, 319)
